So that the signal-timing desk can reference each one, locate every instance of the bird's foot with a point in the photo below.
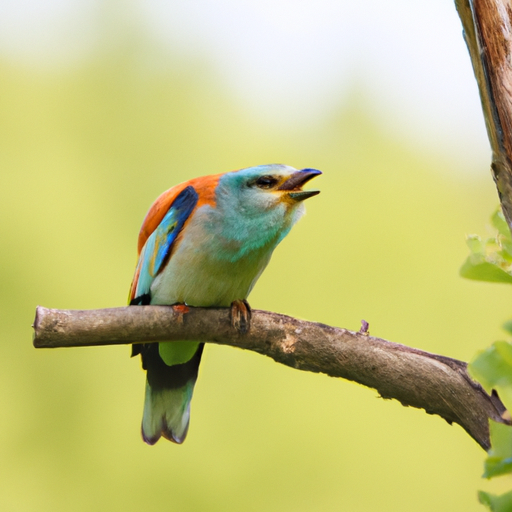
(241, 315)
(179, 312)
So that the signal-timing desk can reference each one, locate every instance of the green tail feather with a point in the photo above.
(168, 394)
(166, 413)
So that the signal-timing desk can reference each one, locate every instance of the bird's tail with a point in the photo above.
(168, 394)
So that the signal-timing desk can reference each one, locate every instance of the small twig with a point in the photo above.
(438, 384)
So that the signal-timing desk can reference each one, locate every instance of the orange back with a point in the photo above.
(205, 188)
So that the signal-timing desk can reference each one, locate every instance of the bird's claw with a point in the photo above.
(241, 315)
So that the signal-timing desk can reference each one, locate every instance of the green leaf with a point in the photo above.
(490, 259)
(501, 503)
(493, 369)
(477, 268)
(499, 461)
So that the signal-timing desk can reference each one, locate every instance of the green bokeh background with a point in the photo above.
(83, 152)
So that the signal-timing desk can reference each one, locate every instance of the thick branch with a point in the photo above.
(438, 384)
(488, 34)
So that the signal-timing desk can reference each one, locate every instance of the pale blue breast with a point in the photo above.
(208, 269)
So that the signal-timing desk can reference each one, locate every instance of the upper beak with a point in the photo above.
(296, 181)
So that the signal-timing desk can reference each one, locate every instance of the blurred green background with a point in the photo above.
(85, 147)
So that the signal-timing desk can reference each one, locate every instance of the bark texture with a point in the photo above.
(488, 33)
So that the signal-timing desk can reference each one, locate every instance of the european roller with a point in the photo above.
(205, 243)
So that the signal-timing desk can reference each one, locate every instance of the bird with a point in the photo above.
(205, 243)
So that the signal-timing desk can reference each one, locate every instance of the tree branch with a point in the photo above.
(438, 384)
(488, 33)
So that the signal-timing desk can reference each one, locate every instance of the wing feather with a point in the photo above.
(158, 246)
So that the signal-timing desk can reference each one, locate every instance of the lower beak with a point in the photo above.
(296, 181)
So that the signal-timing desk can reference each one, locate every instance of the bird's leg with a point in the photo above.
(241, 315)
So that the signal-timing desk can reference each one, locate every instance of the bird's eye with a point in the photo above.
(265, 182)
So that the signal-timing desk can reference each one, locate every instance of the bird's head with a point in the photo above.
(259, 205)
(256, 190)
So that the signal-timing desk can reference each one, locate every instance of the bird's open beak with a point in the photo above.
(295, 183)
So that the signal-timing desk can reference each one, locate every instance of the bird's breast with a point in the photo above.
(208, 268)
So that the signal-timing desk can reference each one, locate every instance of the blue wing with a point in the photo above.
(159, 245)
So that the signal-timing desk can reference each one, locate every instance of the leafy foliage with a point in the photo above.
(491, 260)
(493, 369)
(501, 503)
(499, 460)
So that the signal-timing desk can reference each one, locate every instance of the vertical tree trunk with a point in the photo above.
(488, 34)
